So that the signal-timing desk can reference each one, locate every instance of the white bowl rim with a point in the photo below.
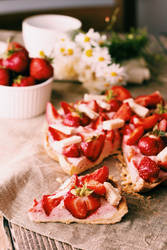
(77, 21)
(39, 85)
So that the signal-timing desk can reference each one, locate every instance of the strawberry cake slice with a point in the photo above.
(81, 134)
(92, 199)
(145, 145)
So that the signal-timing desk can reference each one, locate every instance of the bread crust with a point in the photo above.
(66, 165)
(122, 209)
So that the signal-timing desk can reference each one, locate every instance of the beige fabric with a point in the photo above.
(27, 172)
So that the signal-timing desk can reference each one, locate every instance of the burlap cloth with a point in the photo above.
(27, 172)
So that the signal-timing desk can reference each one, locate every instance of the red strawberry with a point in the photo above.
(81, 206)
(4, 76)
(127, 129)
(120, 93)
(84, 120)
(72, 120)
(93, 106)
(135, 135)
(67, 108)
(149, 100)
(162, 126)
(71, 151)
(114, 105)
(56, 135)
(102, 117)
(148, 169)
(23, 81)
(110, 135)
(14, 46)
(150, 121)
(150, 145)
(51, 113)
(41, 69)
(124, 112)
(135, 119)
(16, 60)
(48, 204)
(93, 147)
(163, 165)
(100, 175)
(96, 186)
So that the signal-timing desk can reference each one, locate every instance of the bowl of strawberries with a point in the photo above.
(25, 83)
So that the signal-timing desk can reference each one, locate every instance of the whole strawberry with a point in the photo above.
(4, 76)
(41, 68)
(16, 46)
(23, 81)
(16, 60)
(148, 169)
(150, 145)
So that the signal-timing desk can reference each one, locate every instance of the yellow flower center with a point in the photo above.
(106, 84)
(87, 39)
(89, 52)
(41, 53)
(62, 50)
(62, 39)
(114, 74)
(101, 59)
(70, 52)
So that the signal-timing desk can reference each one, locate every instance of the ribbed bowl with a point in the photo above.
(24, 102)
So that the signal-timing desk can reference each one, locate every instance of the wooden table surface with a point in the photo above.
(16, 237)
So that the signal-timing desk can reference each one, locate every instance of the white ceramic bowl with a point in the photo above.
(40, 32)
(24, 102)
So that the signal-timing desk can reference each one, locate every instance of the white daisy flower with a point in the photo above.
(66, 48)
(91, 38)
(115, 74)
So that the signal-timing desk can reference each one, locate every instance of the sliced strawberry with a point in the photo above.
(75, 205)
(162, 126)
(92, 203)
(81, 206)
(126, 130)
(93, 147)
(51, 113)
(84, 120)
(150, 121)
(120, 93)
(148, 169)
(93, 106)
(72, 120)
(97, 187)
(136, 120)
(114, 105)
(163, 165)
(67, 108)
(48, 204)
(124, 112)
(110, 135)
(74, 181)
(135, 135)
(56, 135)
(150, 145)
(102, 117)
(100, 175)
(164, 116)
(149, 100)
(72, 151)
